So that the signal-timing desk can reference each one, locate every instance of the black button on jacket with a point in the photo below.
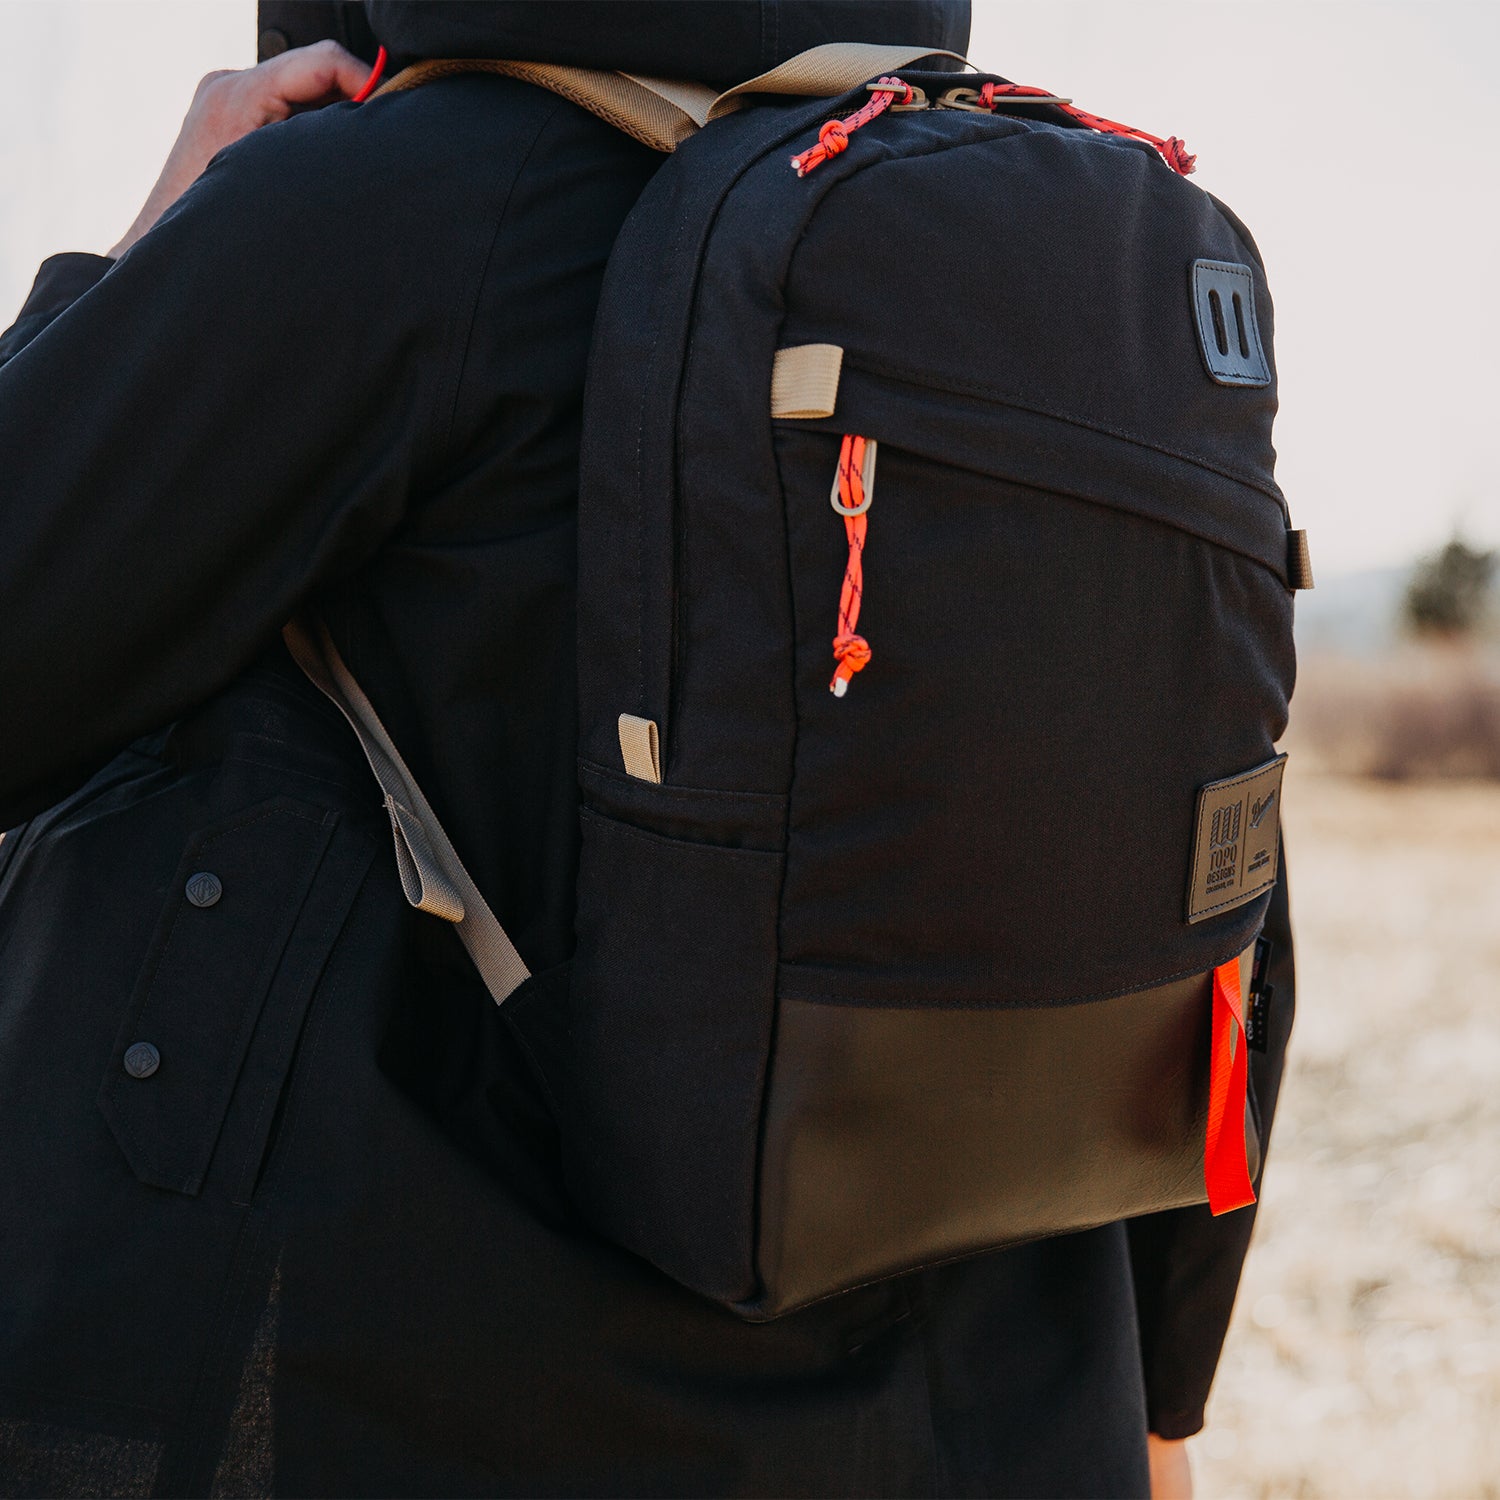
(323, 1247)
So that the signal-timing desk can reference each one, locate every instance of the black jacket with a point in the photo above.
(328, 1251)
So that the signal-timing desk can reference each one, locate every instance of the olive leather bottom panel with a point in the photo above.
(898, 1138)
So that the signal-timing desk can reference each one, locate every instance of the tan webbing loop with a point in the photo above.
(662, 113)
(640, 748)
(432, 874)
(805, 380)
(1299, 573)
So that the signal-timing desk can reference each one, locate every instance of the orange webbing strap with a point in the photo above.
(853, 490)
(1226, 1166)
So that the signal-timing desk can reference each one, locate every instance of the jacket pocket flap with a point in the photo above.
(228, 916)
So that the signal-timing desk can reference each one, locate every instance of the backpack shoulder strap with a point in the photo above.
(661, 112)
(657, 112)
(832, 68)
(432, 874)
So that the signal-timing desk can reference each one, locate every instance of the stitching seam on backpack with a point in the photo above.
(890, 371)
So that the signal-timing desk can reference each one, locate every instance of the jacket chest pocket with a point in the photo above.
(200, 1059)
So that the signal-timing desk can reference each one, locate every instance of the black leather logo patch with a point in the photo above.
(1228, 334)
(1236, 840)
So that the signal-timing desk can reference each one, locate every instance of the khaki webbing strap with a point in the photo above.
(1299, 573)
(662, 113)
(693, 99)
(640, 748)
(432, 874)
(658, 114)
(833, 68)
(805, 380)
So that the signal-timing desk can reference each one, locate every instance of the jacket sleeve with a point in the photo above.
(60, 282)
(195, 438)
(1187, 1263)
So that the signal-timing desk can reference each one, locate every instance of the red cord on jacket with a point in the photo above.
(368, 87)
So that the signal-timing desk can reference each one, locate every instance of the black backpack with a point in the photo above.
(960, 953)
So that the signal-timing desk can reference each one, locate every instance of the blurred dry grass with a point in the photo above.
(1428, 709)
(1364, 1358)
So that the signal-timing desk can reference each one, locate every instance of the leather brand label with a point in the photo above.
(1236, 840)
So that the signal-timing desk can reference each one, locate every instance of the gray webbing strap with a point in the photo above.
(432, 874)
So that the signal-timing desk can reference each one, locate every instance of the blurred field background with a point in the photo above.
(1357, 140)
(1364, 1359)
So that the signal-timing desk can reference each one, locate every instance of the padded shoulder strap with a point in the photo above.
(432, 874)
(658, 113)
(662, 113)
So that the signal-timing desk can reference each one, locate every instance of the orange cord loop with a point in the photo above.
(854, 489)
(834, 135)
(1172, 151)
(1178, 157)
(852, 652)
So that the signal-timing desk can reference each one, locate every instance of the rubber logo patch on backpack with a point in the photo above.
(1228, 332)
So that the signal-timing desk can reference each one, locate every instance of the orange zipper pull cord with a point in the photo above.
(853, 490)
(834, 136)
(1173, 151)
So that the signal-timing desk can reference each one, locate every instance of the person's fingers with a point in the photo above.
(232, 103)
(209, 79)
(229, 104)
(306, 75)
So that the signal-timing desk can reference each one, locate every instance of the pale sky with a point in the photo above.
(1356, 139)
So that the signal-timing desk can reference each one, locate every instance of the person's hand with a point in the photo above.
(1171, 1474)
(230, 104)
